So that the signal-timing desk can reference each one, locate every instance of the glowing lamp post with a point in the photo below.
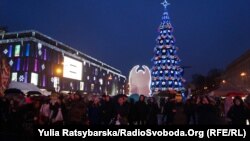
(243, 74)
(58, 71)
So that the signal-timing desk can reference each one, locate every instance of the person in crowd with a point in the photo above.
(28, 99)
(103, 99)
(187, 110)
(132, 112)
(207, 114)
(170, 110)
(190, 111)
(247, 103)
(153, 111)
(238, 112)
(4, 104)
(162, 115)
(44, 112)
(77, 111)
(57, 110)
(221, 108)
(94, 112)
(141, 110)
(121, 113)
(107, 110)
(35, 111)
(228, 103)
(12, 112)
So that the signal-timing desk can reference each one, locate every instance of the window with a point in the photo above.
(44, 80)
(18, 64)
(35, 65)
(14, 76)
(96, 71)
(56, 82)
(45, 54)
(34, 78)
(10, 51)
(39, 45)
(101, 81)
(17, 50)
(27, 53)
(81, 86)
(92, 87)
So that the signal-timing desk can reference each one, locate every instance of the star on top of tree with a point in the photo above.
(165, 4)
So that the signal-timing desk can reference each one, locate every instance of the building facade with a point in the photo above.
(51, 65)
(237, 74)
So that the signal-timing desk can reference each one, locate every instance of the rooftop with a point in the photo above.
(244, 56)
(58, 44)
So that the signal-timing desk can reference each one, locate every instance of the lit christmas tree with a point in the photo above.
(166, 71)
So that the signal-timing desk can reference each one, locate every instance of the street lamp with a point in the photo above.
(224, 81)
(58, 73)
(243, 74)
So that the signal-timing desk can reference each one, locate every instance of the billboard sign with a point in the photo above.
(72, 68)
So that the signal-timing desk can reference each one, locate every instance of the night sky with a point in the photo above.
(122, 33)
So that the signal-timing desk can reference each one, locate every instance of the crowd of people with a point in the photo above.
(206, 110)
(77, 109)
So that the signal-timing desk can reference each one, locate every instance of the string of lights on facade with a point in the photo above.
(49, 64)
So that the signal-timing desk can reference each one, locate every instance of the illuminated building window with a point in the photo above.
(39, 45)
(71, 86)
(81, 86)
(26, 77)
(45, 54)
(14, 76)
(35, 66)
(94, 78)
(27, 64)
(101, 81)
(18, 64)
(92, 87)
(44, 80)
(17, 50)
(96, 71)
(24, 65)
(56, 82)
(27, 53)
(87, 77)
(34, 78)
(10, 51)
